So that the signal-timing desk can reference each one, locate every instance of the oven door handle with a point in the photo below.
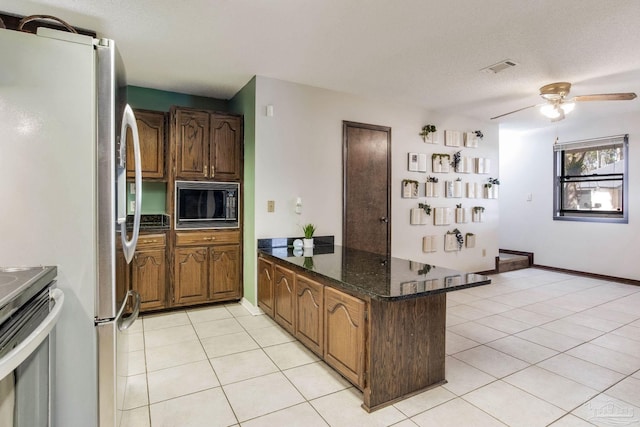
(22, 351)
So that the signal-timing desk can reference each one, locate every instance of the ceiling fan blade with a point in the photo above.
(514, 111)
(606, 97)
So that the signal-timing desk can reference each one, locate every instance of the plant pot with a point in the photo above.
(307, 243)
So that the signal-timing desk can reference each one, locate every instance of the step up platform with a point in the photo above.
(510, 262)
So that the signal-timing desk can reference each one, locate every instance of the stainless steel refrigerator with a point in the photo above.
(63, 123)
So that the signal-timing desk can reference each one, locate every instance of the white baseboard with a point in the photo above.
(256, 311)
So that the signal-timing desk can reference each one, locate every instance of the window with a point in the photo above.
(590, 182)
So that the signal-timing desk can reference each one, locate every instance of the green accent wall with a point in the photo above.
(160, 100)
(244, 102)
(154, 197)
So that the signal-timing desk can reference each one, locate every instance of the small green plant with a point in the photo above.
(426, 130)
(426, 207)
(478, 134)
(459, 205)
(478, 209)
(432, 179)
(308, 231)
(492, 181)
(456, 159)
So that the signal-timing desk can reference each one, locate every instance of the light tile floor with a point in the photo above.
(534, 348)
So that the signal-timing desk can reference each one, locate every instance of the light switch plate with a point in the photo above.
(271, 206)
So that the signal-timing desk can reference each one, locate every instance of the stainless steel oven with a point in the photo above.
(29, 309)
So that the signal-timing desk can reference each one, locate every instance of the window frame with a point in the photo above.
(560, 214)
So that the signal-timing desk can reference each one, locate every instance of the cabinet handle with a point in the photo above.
(209, 238)
(149, 241)
(213, 171)
(204, 170)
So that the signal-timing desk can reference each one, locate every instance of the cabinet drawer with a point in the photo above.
(151, 241)
(190, 238)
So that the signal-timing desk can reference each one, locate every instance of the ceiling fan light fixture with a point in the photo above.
(568, 106)
(550, 111)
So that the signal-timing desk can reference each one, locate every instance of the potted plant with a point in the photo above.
(457, 156)
(308, 231)
(431, 190)
(410, 188)
(491, 188)
(477, 213)
(426, 130)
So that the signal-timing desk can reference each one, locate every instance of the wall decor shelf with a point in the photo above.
(430, 244)
(441, 163)
(453, 189)
(410, 189)
(453, 138)
(442, 216)
(431, 187)
(417, 162)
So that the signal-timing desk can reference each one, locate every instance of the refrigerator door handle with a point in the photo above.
(129, 246)
(19, 354)
(125, 322)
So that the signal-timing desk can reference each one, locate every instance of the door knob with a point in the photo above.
(384, 219)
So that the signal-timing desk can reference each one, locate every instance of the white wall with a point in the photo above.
(526, 164)
(299, 154)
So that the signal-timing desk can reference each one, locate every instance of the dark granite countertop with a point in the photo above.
(376, 276)
(151, 222)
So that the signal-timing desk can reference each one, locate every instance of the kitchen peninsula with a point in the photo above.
(379, 321)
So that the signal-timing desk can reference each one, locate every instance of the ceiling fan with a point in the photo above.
(557, 105)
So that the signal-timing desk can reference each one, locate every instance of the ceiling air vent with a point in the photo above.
(500, 66)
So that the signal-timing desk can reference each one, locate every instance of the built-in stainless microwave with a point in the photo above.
(206, 204)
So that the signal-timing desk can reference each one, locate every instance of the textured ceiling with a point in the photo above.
(419, 52)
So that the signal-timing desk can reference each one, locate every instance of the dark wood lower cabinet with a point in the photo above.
(389, 349)
(148, 278)
(207, 267)
(284, 298)
(265, 286)
(224, 272)
(344, 333)
(309, 314)
(190, 275)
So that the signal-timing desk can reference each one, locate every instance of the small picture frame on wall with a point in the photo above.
(417, 162)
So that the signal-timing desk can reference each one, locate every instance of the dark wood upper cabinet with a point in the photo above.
(151, 132)
(226, 143)
(191, 144)
(208, 145)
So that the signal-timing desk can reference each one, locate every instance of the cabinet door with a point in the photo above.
(192, 144)
(190, 275)
(224, 272)
(152, 136)
(148, 278)
(226, 147)
(265, 286)
(309, 308)
(344, 334)
(284, 296)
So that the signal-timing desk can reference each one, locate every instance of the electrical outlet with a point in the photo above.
(271, 205)
(132, 206)
(132, 188)
(484, 252)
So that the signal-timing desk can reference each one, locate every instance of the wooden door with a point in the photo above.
(191, 144)
(265, 286)
(344, 334)
(148, 278)
(366, 222)
(226, 147)
(284, 297)
(190, 281)
(151, 125)
(224, 272)
(309, 316)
